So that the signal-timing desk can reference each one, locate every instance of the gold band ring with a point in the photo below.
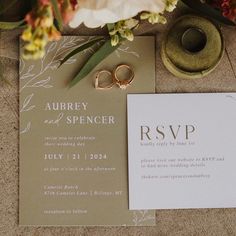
(123, 84)
(109, 86)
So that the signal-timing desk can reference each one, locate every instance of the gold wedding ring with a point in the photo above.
(109, 86)
(121, 83)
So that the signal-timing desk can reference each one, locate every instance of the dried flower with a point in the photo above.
(157, 17)
(171, 5)
(153, 17)
(123, 29)
(68, 9)
(227, 7)
(40, 26)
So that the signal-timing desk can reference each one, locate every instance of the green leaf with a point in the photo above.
(93, 61)
(3, 9)
(208, 10)
(11, 25)
(110, 26)
(57, 14)
(80, 49)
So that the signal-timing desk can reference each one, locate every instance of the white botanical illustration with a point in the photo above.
(31, 75)
(26, 129)
(140, 217)
(26, 104)
(126, 49)
(56, 51)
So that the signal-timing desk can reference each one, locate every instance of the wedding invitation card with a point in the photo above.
(182, 151)
(73, 142)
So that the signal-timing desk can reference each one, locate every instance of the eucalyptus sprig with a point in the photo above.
(104, 51)
(81, 48)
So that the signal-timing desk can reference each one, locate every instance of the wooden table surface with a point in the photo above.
(204, 222)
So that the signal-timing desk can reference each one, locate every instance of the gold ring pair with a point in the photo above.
(122, 84)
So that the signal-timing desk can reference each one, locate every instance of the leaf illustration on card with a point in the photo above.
(54, 65)
(26, 129)
(42, 83)
(21, 66)
(52, 47)
(139, 217)
(126, 50)
(51, 61)
(30, 68)
(25, 106)
(28, 73)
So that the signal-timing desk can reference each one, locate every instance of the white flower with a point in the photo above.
(95, 13)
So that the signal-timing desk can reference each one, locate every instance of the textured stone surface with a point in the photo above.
(214, 222)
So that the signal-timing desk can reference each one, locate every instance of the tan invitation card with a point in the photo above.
(73, 142)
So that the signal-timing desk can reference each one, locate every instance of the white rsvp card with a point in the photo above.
(182, 151)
